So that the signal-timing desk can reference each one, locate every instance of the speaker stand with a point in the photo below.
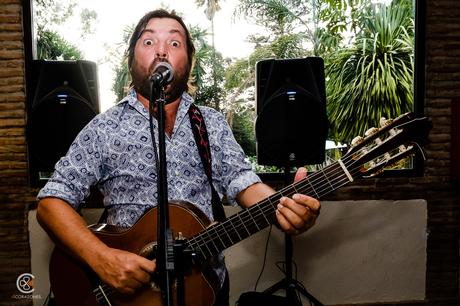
(289, 284)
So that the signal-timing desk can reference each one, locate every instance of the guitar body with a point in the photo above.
(73, 282)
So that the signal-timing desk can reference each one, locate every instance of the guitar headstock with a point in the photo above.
(382, 147)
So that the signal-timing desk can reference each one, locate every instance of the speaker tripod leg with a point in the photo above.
(276, 287)
(305, 293)
(290, 285)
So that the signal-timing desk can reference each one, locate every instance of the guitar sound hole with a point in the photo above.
(149, 251)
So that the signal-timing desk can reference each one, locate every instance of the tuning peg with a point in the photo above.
(384, 121)
(377, 140)
(356, 141)
(371, 131)
(393, 132)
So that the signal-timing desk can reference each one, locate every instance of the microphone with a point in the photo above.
(162, 75)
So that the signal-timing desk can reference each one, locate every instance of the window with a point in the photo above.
(227, 53)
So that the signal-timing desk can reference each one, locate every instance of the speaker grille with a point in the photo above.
(291, 124)
(62, 99)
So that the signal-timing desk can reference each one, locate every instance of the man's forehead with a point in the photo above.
(168, 25)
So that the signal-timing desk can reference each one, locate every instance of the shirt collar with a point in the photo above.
(186, 101)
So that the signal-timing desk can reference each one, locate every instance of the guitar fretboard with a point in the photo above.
(249, 221)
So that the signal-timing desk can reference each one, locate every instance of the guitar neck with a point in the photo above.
(252, 220)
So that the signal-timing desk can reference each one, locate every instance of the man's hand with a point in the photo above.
(297, 214)
(119, 269)
(124, 271)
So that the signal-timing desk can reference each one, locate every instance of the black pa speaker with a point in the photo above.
(291, 125)
(62, 98)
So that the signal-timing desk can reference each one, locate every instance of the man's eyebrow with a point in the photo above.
(172, 31)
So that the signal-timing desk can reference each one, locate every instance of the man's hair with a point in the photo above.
(142, 24)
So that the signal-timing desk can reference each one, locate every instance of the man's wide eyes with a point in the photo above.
(148, 42)
(151, 42)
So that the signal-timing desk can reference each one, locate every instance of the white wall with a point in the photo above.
(359, 251)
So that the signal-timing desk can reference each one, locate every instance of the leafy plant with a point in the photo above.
(52, 13)
(373, 78)
(51, 46)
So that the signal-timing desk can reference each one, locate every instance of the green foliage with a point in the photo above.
(374, 77)
(52, 46)
(48, 14)
(279, 16)
(368, 51)
(209, 95)
(208, 72)
(203, 54)
(122, 78)
(288, 46)
(243, 129)
(237, 73)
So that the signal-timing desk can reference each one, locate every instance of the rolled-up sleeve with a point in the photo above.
(236, 170)
(78, 170)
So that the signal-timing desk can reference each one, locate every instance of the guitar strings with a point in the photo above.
(260, 210)
(107, 291)
(218, 231)
(322, 189)
(260, 207)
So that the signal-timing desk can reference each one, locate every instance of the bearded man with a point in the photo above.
(116, 153)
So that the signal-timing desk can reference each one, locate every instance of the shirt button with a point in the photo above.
(177, 172)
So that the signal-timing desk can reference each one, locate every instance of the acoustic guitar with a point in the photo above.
(74, 284)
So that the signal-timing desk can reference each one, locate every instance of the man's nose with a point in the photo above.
(161, 50)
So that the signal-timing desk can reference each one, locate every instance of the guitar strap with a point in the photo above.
(200, 134)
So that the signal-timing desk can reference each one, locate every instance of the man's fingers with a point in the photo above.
(313, 204)
(147, 265)
(293, 218)
(284, 223)
(297, 214)
(300, 174)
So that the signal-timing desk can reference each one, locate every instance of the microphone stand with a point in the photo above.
(165, 245)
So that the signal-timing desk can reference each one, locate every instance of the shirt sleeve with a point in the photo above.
(236, 173)
(78, 170)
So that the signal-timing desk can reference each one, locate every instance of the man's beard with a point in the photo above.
(142, 83)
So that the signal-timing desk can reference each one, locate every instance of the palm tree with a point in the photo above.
(336, 22)
(208, 72)
(374, 77)
(280, 17)
(212, 6)
(122, 79)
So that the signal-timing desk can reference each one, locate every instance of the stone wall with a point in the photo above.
(15, 196)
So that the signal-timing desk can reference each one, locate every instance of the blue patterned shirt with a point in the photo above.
(114, 151)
